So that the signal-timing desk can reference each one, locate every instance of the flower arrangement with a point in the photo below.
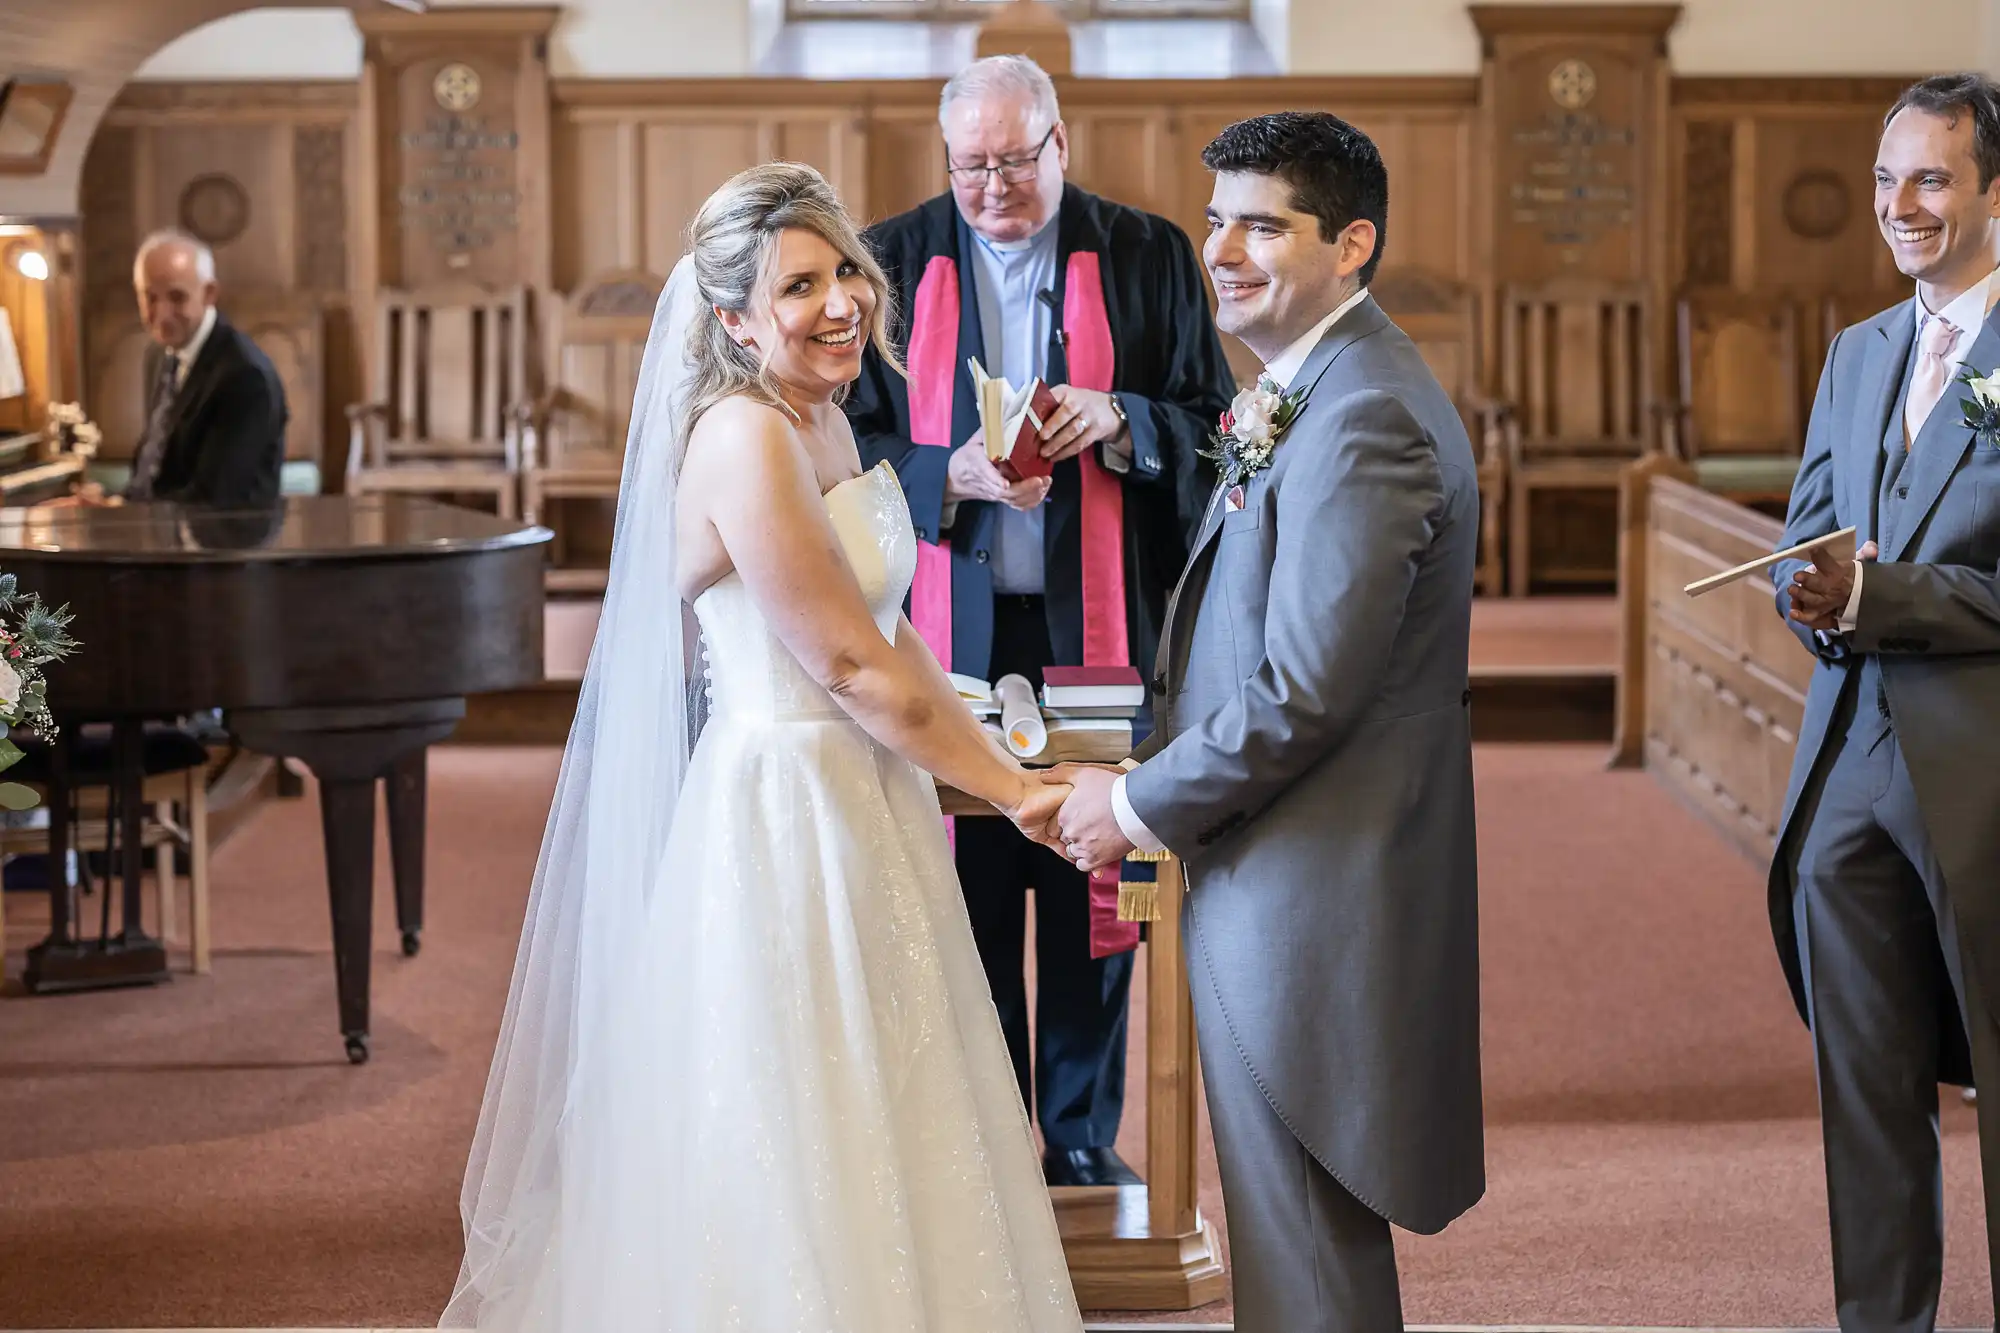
(1982, 409)
(1249, 430)
(31, 636)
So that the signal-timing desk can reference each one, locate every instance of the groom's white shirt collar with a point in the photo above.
(1967, 313)
(1285, 366)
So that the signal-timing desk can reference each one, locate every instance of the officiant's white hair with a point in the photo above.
(1002, 76)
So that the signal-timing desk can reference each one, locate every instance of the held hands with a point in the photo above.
(1820, 593)
(970, 475)
(1034, 813)
(1083, 418)
(1086, 831)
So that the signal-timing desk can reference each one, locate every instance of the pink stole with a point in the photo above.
(933, 365)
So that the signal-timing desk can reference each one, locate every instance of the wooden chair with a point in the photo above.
(1441, 317)
(573, 441)
(450, 379)
(1738, 422)
(1576, 404)
(290, 328)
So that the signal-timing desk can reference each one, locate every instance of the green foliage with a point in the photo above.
(31, 637)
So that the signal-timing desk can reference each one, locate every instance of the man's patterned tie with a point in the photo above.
(153, 444)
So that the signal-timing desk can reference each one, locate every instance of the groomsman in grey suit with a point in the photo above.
(1313, 762)
(1885, 892)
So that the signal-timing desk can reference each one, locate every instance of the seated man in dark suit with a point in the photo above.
(215, 409)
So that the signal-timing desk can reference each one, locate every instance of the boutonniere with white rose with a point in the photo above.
(1250, 429)
(1982, 410)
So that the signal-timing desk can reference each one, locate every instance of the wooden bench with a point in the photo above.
(1711, 689)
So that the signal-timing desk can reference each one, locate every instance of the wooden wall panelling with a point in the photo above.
(633, 162)
(1131, 154)
(1774, 201)
(906, 159)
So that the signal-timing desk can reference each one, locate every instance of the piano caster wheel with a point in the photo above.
(411, 944)
(357, 1048)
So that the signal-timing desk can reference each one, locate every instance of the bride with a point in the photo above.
(749, 1076)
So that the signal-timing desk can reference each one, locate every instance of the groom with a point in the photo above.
(1313, 762)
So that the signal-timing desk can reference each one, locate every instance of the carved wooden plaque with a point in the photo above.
(461, 114)
(1575, 100)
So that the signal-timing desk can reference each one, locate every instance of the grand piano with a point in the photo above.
(341, 631)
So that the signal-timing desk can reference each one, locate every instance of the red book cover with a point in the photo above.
(1073, 677)
(1022, 434)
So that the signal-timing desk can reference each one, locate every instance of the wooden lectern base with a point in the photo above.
(1117, 1263)
(1144, 1247)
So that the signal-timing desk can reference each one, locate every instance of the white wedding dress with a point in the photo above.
(799, 1115)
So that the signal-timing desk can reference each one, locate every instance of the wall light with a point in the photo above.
(32, 263)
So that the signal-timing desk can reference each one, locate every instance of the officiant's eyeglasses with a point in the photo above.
(1013, 170)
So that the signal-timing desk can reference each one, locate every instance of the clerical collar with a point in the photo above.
(1285, 366)
(1041, 237)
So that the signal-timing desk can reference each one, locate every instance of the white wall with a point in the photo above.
(264, 44)
(594, 38)
(639, 38)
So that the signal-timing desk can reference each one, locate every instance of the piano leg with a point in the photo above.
(406, 785)
(347, 821)
(349, 750)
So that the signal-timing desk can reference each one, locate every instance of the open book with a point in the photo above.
(1012, 419)
(977, 694)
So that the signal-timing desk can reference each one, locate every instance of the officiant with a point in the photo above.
(1106, 303)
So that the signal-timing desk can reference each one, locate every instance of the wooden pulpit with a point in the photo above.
(1144, 1247)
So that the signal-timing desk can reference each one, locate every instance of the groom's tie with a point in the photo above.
(1927, 385)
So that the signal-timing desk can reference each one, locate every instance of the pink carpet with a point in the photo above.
(202, 1154)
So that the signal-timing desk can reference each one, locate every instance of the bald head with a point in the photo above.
(174, 278)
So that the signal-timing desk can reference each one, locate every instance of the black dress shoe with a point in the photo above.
(1087, 1166)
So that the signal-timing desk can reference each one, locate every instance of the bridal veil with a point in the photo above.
(542, 1148)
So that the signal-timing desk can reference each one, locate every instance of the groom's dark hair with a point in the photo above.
(1334, 170)
(1949, 96)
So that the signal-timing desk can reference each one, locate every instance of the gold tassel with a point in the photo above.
(1138, 902)
(1147, 857)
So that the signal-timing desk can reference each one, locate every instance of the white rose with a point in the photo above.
(1255, 412)
(1986, 388)
(10, 683)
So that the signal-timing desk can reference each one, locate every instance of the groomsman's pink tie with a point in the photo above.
(1927, 385)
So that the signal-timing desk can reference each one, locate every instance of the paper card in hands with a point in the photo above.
(1803, 551)
(1011, 420)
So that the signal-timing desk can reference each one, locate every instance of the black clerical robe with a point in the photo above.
(1131, 310)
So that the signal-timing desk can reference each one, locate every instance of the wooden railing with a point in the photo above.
(1711, 689)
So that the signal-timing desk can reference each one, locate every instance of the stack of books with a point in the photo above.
(1087, 711)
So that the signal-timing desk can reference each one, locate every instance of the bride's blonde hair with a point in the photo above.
(732, 240)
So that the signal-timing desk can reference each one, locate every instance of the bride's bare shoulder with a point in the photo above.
(742, 445)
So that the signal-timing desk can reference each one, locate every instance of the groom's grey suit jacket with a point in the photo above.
(1929, 614)
(1313, 770)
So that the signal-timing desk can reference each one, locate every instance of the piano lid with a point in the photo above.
(299, 527)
